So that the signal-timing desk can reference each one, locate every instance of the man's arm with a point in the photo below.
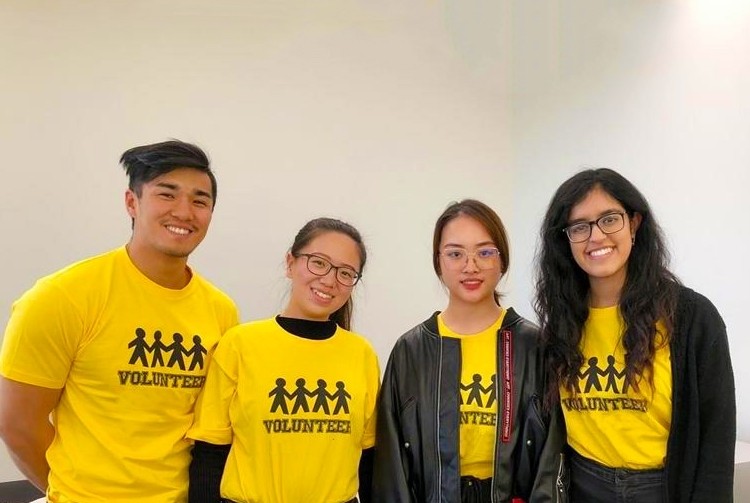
(25, 426)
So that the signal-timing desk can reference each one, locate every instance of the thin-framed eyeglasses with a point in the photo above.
(608, 224)
(320, 266)
(485, 257)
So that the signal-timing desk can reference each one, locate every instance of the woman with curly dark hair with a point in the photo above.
(639, 363)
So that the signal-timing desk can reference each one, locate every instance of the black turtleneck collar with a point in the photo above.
(308, 329)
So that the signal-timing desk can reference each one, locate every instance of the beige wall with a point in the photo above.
(379, 113)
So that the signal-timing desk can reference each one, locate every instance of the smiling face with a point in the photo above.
(603, 257)
(466, 282)
(317, 297)
(171, 215)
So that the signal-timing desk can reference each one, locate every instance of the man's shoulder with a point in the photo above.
(212, 291)
(88, 271)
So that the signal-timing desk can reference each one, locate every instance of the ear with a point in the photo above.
(289, 262)
(131, 203)
(635, 223)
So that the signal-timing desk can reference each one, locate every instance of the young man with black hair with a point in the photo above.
(102, 361)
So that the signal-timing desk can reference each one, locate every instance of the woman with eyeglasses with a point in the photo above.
(287, 413)
(460, 416)
(639, 363)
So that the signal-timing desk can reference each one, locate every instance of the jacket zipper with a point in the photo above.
(437, 420)
(559, 483)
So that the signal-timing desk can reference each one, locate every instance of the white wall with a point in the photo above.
(380, 114)
(659, 91)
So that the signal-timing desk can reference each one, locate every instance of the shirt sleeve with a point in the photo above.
(42, 337)
(373, 384)
(212, 421)
(232, 317)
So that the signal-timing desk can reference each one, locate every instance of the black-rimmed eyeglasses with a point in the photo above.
(320, 266)
(608, 224)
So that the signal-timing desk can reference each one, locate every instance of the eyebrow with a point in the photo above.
(605, 212)
(202, 193)
(478, 245)
(167, 185)
(328, 258)
(173, 186)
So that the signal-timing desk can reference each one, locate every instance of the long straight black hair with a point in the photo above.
(562, 287)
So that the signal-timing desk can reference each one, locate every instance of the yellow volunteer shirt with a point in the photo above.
(298, 413)
(607, 419)
(478, 398)
(131, 357)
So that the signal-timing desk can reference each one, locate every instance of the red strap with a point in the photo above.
(506, 421)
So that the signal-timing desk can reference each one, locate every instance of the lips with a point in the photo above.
(471, 284)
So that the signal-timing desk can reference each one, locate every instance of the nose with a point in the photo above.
(596, 233)
(329, 278)
(182, 208)
(471, 263)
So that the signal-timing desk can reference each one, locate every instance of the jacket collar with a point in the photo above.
(511, 318)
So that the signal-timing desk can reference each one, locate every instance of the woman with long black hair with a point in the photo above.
(639, 362)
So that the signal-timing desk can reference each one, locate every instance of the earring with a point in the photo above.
(632, 240)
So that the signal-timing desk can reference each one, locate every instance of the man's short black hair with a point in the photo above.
(143, 164)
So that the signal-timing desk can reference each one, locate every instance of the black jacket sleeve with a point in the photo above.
(550, 479)
(390, 480)
(714, 478)
(206, 469)
(365, 475)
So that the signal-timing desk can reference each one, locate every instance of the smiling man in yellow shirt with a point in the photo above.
(102, 361)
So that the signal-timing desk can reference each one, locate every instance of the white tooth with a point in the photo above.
(601, 251)
(177, 230)
(322, 295)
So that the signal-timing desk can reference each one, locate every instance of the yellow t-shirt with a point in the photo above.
(607, 419)
(131, 358)
(298, 413)
(478, 398)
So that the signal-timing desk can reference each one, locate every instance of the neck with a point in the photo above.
(166, 271)
(605, 292)
(465, 318)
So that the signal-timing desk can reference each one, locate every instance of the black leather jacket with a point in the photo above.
(417, 450)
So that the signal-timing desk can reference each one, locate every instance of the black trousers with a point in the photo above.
(474, 490)
(353, 500)
(592, 482)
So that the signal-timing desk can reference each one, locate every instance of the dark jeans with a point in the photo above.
(592, 482)
(474, 490)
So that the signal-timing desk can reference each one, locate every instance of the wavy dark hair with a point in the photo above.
(314, 228)
(562, 287)
(489, 220)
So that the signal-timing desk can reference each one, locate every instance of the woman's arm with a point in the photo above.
(714, 479)
(550, 472)
(390, 482)
(206, 469)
